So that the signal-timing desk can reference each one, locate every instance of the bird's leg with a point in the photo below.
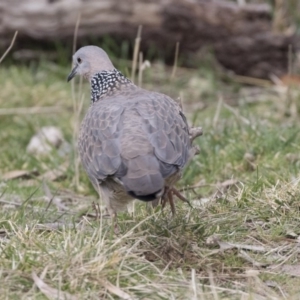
(165, 197)
(180, 196)
(168, 197)
(171, 201)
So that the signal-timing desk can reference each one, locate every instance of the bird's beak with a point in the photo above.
(73, 73)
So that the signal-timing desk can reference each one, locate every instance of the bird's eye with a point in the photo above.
(79, 60)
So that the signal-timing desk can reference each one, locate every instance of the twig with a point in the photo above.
(77, 112)
(288, 91)
(180, 100)
(76, 107)
(252, 80)
(10, 202)
(175, 60)
(217, 114)
(195, 187)
(140, 78)
(236, 113)
(136, 52)
(10, 46)
(76, 32)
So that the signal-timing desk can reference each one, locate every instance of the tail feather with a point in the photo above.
(143, 179)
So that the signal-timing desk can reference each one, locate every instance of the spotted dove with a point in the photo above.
(133, 143)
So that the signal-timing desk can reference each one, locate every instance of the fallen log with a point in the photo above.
(241, 37)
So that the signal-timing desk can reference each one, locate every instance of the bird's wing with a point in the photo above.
(167, 131)
(99, 140)
(164, 126)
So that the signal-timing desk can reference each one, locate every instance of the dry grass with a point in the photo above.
(239, 241)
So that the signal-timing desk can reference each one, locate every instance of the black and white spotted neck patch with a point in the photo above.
(106, 81)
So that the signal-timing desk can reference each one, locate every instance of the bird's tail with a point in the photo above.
(143, 179)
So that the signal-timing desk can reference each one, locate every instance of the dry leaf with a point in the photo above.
(50, 292)
(14, 174)
(19, 174)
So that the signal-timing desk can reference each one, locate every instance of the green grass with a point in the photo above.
(155, 256)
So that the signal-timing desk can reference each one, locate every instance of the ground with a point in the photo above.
(239, 240)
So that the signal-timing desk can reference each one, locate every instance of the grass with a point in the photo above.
(239, 241)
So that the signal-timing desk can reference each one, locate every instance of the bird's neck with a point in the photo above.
(106, 83)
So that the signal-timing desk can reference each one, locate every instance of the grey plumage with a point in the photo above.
(133, 143)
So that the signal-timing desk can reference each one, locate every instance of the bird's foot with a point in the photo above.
(180, 196)
(168, 197)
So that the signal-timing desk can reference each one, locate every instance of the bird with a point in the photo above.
(133, 143)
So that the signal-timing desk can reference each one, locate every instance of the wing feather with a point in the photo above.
(99, 143)
(167, 131)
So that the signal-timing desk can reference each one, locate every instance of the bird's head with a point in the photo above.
(88, 61)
